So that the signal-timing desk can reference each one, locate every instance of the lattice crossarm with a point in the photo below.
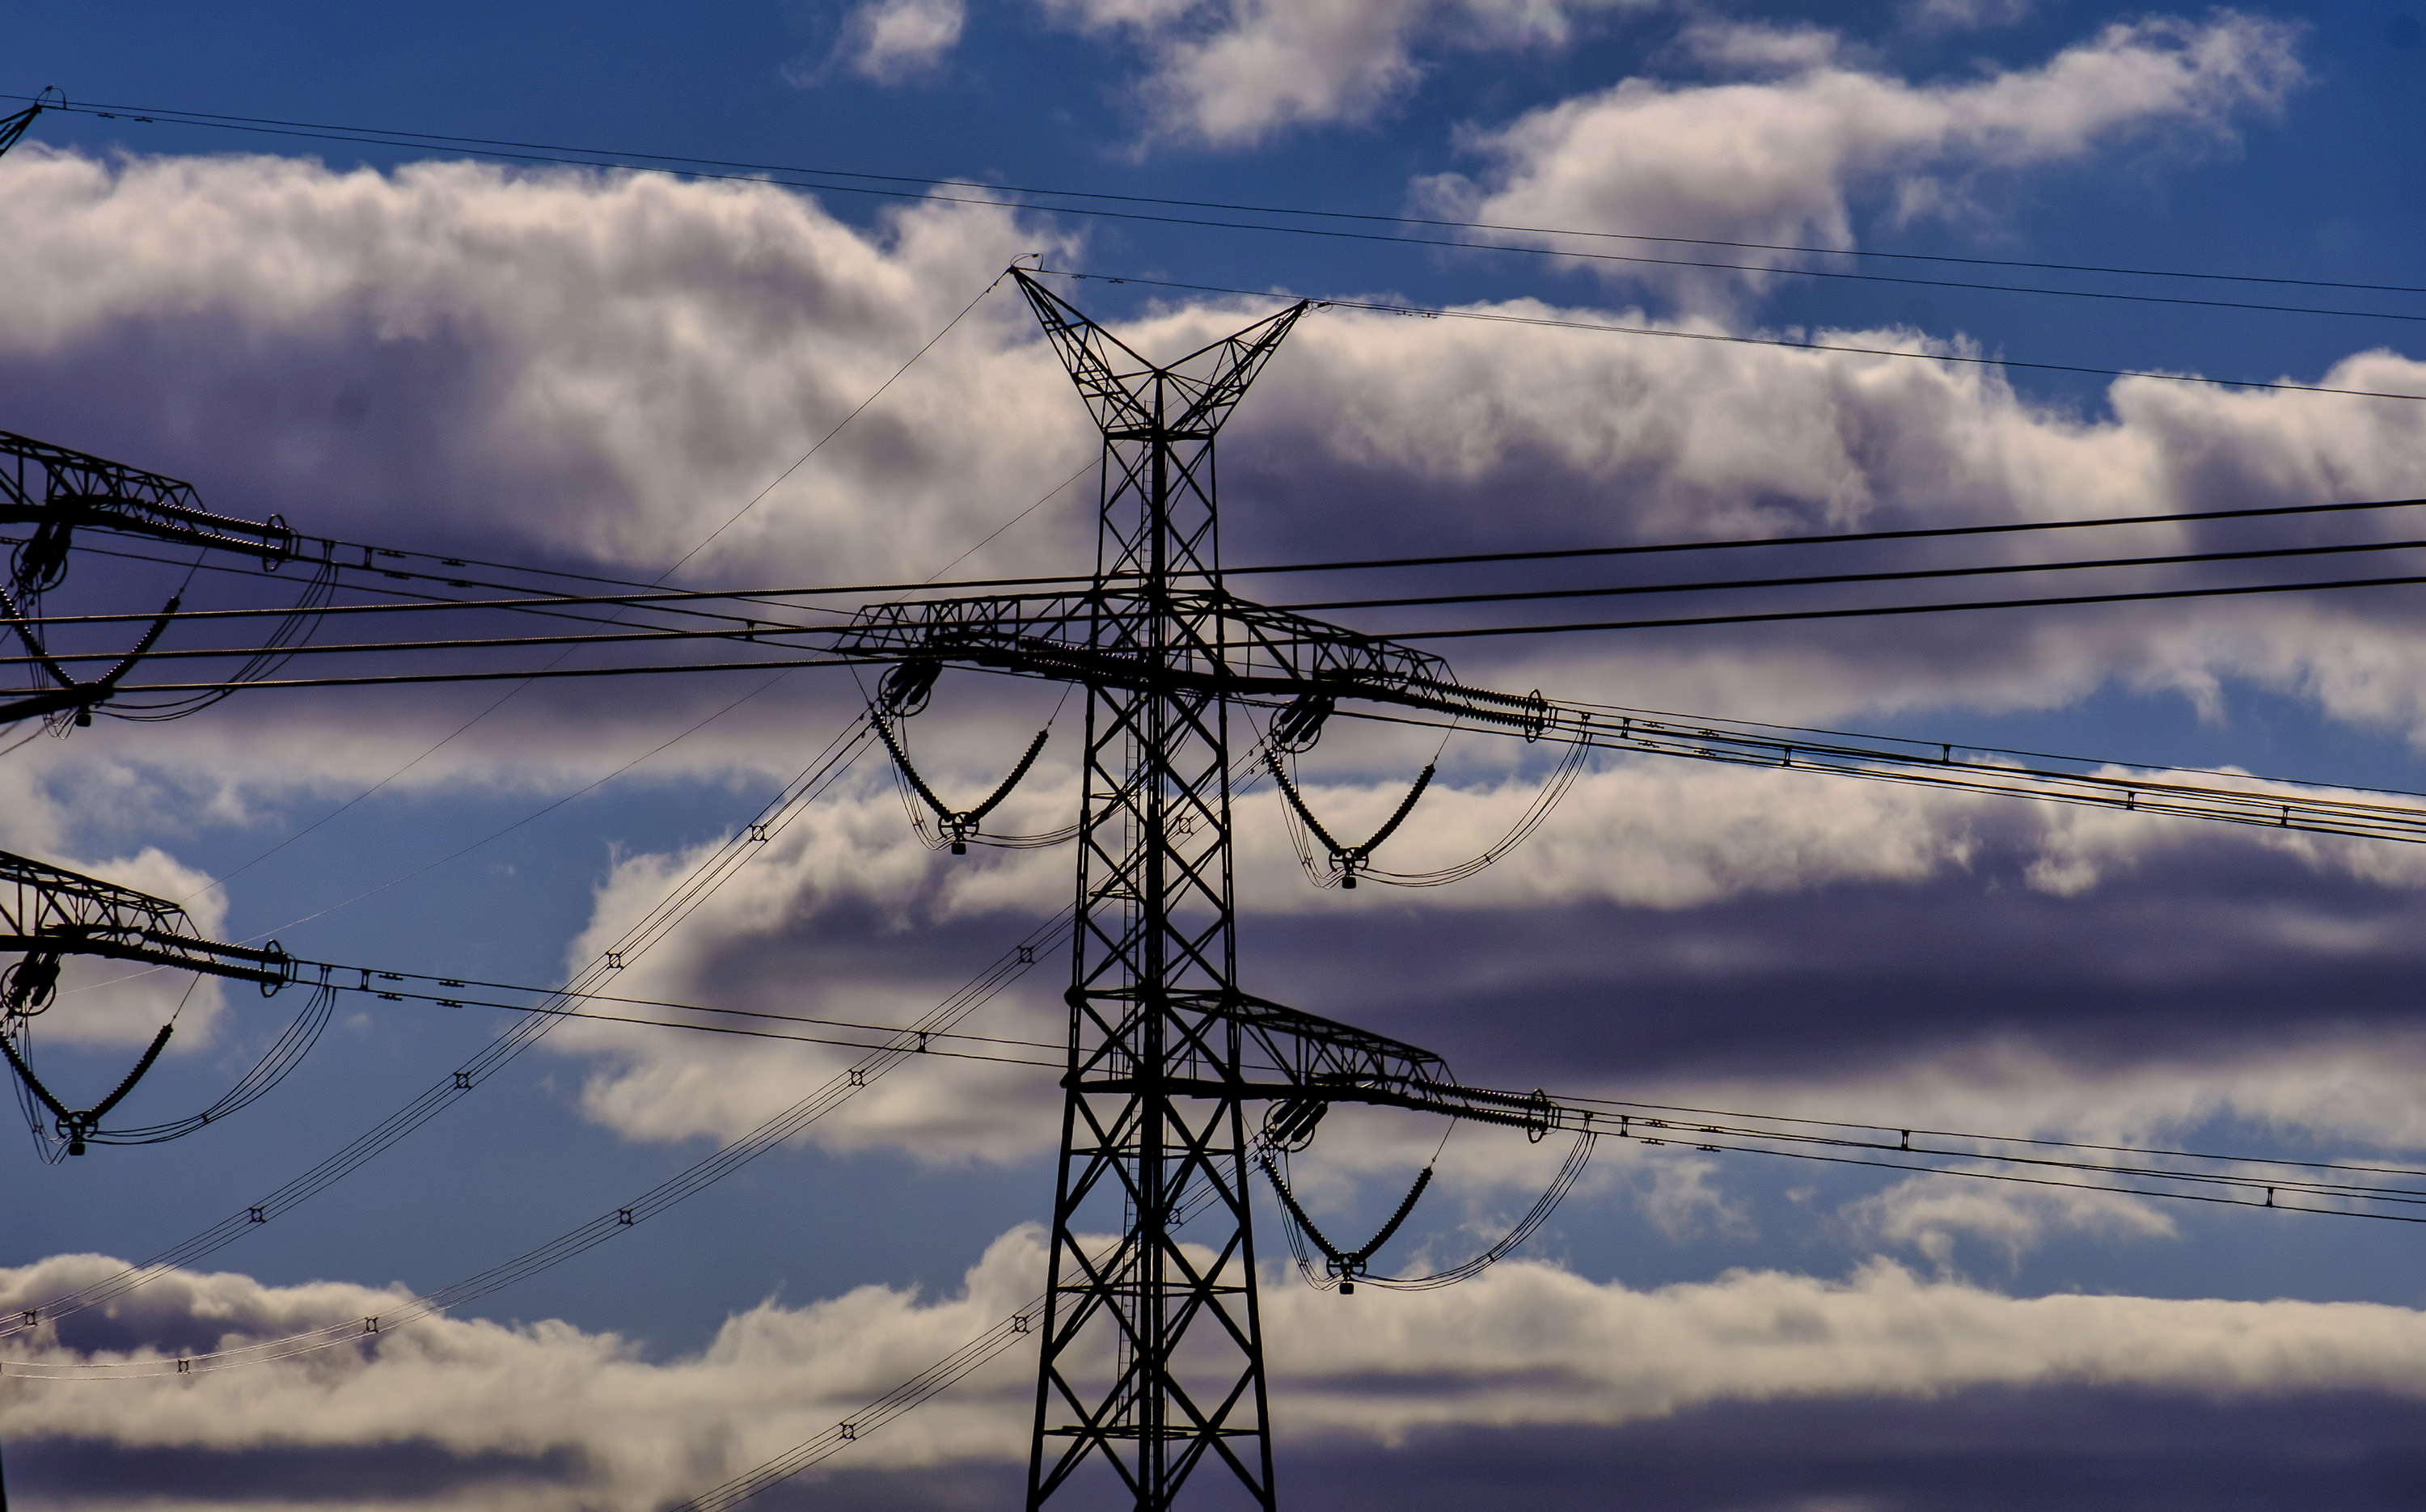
(81, 491)
(1112, 390)
(48, 910)
(1235, 361)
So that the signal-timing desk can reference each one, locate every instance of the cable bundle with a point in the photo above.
(1299, 1232)
(1347, 865)
(52, 1139)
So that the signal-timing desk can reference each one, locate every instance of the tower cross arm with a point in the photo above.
(1131, 397)
(1304, 1063)
(79, 489)
(1226, 646)
(48, 911)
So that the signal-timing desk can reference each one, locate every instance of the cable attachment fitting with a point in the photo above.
(26, 988)
(1536, 718)
(40, 563)
(70, 696)
(1347, 858)
(1296, 727)
(1289, 1124)
(1541, 1116)
(907, 686)
(959, 823)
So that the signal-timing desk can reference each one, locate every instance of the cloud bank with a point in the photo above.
(547, 1416)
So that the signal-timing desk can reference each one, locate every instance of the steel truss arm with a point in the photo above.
(1240, 649)
(12, 127)
(1127, 394)
(47, 913)
(78, 489)
(1228, 645)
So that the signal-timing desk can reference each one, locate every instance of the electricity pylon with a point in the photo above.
(1151, 1355)
(1155, 971)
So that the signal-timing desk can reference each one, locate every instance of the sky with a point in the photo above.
(760, 378)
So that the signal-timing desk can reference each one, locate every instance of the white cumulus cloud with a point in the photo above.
(1783, 158)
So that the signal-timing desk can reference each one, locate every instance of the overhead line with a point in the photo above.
(670, 910)
(1610, 328)
(733, 625)
(1877, 611)
(646, 595)
(1951, 747)
(1411, 635)
(779, 635)
(1846, 538)
(994, 196)
(1882, 1128)
(739, 627)
(1834, 579)
(202, 118)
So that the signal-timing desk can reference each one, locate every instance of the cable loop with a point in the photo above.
(1577, 1157)
(960, 825)
(1347, 858)
(1346, 1267)
(1348, 867)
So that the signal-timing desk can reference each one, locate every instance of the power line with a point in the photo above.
(1846, 538)
(771, 664)
(735, 626)
(900, 1044)
(915, 1391)
(412, 138)
(948, 327)
(780, 632)
(1875, 611)
(997, 195)
(1664, 332)
(1821, 734)
(903, 1042)
(2226, 1181)
(678, 903)
(1838, 579)
(2150, 1151)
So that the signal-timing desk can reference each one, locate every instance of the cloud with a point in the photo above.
(822, 924)
(599, 367)
(103, 1002)
(1784, 158)
(1751, 906)
(600, 370)
(1932, 1214)
(567, 1418)
(1235, 72)
(1477, 434)
(1966, 15)
(890, 41)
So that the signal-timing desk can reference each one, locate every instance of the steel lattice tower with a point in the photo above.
(1152, 1354)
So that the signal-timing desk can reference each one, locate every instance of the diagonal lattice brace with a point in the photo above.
(1187, 399)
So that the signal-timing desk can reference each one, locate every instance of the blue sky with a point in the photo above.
(596, 371)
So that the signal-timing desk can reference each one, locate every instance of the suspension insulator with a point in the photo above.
(907, 686)
(1291, 1123)
(26, 988)
(1295, 728)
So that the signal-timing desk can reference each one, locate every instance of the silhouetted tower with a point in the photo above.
(1151, 1355)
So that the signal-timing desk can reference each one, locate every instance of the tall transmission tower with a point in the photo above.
(1151, 1359)
(1155, 968)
